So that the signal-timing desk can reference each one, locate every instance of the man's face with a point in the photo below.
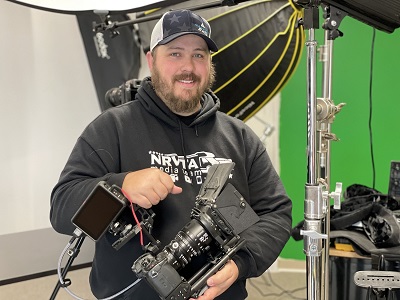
(181, 72)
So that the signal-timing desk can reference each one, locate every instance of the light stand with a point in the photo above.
(321, 113)
(314, 209)
(326, 111)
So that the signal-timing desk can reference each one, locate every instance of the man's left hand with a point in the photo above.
(220, 281)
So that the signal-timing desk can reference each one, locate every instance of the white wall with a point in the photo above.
(47, 97)
(265, 123)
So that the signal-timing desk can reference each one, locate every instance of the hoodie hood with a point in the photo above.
(155, 106)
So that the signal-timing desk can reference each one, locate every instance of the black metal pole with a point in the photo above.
(73, 253)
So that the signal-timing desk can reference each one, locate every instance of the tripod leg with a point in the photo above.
(73, 253)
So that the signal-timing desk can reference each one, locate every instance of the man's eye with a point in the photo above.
(174, 54)
(198, 55)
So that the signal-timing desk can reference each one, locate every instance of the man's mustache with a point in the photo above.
(187, 77)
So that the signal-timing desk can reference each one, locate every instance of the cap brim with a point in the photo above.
(210, 43)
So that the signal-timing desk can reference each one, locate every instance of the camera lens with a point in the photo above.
(114, 96)
(191, 241)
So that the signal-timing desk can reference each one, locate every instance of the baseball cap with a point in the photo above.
(176, 23)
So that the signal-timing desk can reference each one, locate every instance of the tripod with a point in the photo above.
(73, 253)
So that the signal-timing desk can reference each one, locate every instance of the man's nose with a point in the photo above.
(187, 64)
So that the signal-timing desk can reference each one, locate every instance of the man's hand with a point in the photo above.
(220, 281)
(148, 187)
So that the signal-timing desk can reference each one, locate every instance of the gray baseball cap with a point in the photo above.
(176, 23)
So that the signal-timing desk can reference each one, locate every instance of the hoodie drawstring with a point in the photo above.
(184, 151)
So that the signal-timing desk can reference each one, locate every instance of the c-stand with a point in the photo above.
(321, 113)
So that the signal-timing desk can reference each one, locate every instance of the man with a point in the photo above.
(158, 149)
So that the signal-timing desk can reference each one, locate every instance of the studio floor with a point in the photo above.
(285, 280)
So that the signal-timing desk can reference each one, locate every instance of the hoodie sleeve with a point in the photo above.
(266, 239)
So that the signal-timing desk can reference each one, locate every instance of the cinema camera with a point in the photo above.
(216, 221)
(220, 214)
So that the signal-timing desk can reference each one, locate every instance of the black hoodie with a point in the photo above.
(144, 133)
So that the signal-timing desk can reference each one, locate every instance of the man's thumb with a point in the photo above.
(176, 190)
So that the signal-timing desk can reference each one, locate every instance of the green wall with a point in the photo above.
(351, 160)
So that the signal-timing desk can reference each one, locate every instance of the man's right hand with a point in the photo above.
(148, 187)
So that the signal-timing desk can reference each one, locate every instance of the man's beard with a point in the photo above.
(186, 104)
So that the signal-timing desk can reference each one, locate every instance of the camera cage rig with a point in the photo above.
(213, 229)
(220, 214)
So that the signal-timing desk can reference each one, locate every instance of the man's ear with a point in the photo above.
(149, 58)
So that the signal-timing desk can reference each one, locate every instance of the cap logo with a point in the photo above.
(202, 29)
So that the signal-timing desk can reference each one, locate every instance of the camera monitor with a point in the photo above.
(100, 208)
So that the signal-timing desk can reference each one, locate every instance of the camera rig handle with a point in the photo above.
(197, 287)
(127, 231)
(215, 181)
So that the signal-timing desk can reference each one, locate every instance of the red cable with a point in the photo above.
(135, 217)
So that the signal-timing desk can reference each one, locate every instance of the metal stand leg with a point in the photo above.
(73, 253)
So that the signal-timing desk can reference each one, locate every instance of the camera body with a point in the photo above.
(162, 276)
